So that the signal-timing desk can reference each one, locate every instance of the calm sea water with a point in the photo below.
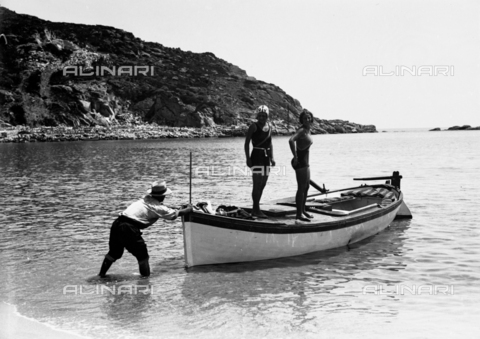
(58, 200)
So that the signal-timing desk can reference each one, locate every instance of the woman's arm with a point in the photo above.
(251, 130)
(272, 160)
(293, 140)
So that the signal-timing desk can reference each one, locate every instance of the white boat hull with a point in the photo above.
(206, 244)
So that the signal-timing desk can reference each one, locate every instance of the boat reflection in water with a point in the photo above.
(306, 286)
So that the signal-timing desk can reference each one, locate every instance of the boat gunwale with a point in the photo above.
(255, 226)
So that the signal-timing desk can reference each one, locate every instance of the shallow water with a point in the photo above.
(58, 200)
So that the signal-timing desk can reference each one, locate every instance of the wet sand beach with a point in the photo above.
(17, 326)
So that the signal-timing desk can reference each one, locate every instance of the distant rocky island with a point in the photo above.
(457, 128)
(63, 81)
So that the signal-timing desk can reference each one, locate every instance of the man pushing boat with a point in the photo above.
(125, 231)
(260, 133)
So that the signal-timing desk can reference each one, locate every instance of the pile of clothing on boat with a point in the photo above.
(227, 211)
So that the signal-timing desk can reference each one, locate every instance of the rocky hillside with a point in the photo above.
(62, 74)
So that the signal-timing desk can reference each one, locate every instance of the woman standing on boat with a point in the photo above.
(300, 163)
(260, 133)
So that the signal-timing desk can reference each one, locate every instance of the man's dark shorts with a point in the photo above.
(124, 233)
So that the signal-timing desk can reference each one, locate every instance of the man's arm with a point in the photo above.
(185, 210)
(169, 213)
(182, 211)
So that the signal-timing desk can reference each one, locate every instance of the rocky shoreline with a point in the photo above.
(57, 134)
(143, 131)
(456, 128)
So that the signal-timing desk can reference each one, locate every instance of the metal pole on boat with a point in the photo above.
(190, 178)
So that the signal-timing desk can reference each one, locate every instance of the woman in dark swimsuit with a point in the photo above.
(300, 163)
(261, 158)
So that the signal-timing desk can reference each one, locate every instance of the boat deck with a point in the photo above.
(282, 214)
(286, 215)
(340, 208)
(333, 209)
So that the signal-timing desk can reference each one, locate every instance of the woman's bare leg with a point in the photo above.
(300, 198)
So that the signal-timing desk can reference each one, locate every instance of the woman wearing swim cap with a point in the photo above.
(260, 133)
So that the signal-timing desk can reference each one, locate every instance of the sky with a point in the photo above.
(393, 64)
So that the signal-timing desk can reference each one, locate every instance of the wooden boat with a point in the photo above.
(341, 217)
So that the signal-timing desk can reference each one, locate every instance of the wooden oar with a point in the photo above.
(318, 188)
(395, 178)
